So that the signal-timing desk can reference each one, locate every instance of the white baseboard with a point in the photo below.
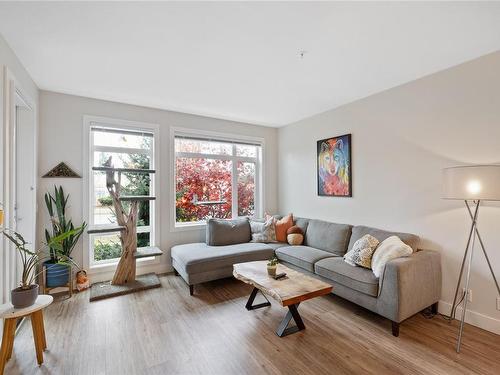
(141, 270)
(474, 318)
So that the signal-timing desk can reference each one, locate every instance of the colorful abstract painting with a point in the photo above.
(334, 167)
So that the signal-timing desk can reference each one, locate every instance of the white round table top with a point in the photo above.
(8, 311)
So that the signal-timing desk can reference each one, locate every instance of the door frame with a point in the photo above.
(14, 92)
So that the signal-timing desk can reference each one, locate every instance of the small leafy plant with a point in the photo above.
(31, 259)
(272, 262)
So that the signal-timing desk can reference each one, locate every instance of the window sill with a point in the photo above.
(197, 225)
(107, 267)
(182, 227)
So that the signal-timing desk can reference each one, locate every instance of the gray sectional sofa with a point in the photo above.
(407, 286)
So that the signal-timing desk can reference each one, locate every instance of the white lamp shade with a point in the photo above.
(474, 182)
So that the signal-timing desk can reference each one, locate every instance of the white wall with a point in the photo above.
(401, 139)
(60, 139)
(23, 80)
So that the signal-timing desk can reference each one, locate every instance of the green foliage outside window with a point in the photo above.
(110, 250)
(139, 184)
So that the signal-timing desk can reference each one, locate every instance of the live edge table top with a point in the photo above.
(290, 290)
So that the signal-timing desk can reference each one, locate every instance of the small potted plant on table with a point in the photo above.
(57, 270)
(272, 264)
(25, 295)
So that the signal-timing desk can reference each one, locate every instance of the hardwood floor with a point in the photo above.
(165, 331)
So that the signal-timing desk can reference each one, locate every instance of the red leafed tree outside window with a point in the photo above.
(204, 180)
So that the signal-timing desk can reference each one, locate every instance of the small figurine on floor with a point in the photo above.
(82, 281)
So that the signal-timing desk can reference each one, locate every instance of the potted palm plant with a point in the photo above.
(57, 268)
(25, 295)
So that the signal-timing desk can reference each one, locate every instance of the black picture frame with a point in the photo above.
(334, 180)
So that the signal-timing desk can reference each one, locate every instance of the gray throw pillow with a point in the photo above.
(256, 226)
(227, 232)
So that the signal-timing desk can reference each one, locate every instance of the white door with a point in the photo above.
(24, 192)
(23, 177)
(19, 187)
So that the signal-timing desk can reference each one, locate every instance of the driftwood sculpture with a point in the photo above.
(126, 223)
(125, 279)
(125, 271)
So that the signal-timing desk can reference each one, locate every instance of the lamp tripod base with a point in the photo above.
(468, 255)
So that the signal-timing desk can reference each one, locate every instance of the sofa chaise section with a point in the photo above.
(199, 262)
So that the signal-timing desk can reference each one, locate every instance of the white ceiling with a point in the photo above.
(240, 61)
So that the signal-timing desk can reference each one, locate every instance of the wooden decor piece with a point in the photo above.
(292, 289)
(125, 271)
(61, 170)
(126, 224)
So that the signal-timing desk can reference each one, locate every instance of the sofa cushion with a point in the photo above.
(361, 279)
(327, 236)
(360, 230)
(228, 232)
(301, 256)
(199, 257)
(277, 245)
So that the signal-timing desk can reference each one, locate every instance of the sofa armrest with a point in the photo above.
(409, 285)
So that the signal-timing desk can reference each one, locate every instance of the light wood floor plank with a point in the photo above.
(165, 331)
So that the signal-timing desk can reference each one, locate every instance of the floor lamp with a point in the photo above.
(474, 183)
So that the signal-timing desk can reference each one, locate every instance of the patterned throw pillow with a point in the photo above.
(362, 252)
(263, 232)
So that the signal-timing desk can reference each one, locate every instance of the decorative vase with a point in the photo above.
(22, 298)
(271, 270)
(56, 274)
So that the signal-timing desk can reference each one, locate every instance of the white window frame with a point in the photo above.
(223, 137)
(88, 186)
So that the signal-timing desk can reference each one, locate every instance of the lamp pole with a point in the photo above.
(467, 280)
(469, 251)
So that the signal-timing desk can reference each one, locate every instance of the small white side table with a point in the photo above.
(10, 316)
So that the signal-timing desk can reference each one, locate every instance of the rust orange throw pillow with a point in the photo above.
(282, 226)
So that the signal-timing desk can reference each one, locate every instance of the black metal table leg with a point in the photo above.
(251, 306)
(283, 328)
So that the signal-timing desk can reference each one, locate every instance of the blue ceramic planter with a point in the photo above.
(56, 274)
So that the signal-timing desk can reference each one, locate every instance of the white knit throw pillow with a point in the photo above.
(389, 249)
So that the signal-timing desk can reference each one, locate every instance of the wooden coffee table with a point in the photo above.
(290, 291)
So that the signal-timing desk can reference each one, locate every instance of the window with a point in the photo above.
(215, 178)
(126, 148)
